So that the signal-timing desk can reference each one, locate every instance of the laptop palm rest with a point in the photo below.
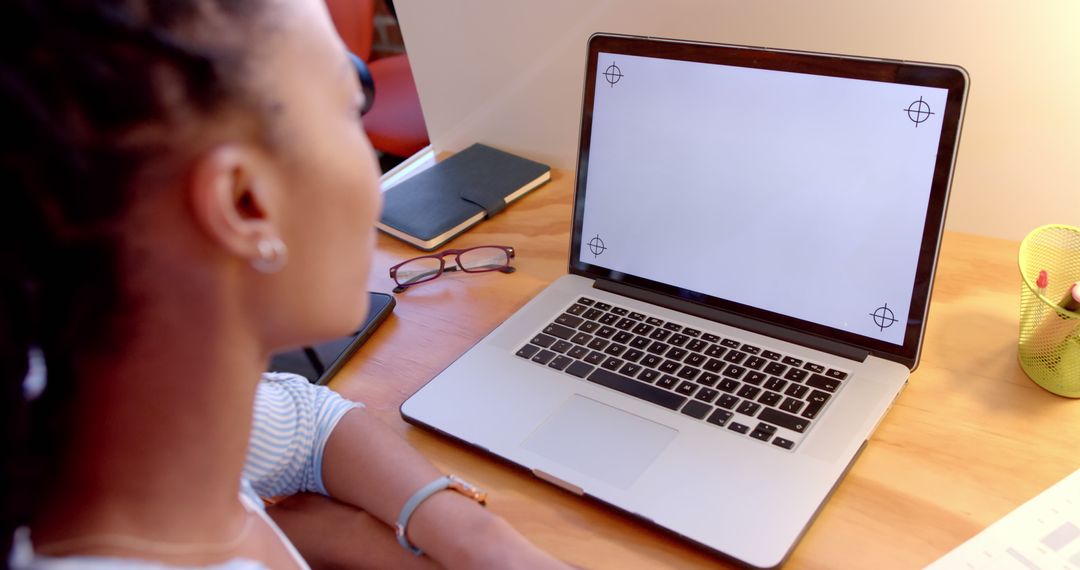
(600, 441)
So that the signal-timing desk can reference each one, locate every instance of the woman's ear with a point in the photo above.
(232, 200)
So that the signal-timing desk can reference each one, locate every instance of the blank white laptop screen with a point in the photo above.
(799, 194)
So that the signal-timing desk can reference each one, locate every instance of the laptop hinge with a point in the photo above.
(729, 318)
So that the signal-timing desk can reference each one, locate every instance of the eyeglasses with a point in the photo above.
(479, 259)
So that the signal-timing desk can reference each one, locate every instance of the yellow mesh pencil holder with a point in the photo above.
(1050, 334)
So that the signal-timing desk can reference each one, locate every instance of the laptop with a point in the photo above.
(754, 239)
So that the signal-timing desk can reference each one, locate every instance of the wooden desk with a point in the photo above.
(970, 439)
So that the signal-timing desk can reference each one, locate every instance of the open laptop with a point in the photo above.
(754, 241)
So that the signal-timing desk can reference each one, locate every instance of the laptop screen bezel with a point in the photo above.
(952, 78)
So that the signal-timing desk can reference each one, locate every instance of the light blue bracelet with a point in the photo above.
(447, 482)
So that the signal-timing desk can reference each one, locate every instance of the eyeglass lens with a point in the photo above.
(484, 259)
(417, 270)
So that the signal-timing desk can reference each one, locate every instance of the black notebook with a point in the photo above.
(439, 203)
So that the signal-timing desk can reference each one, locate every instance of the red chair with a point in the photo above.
(395, 122)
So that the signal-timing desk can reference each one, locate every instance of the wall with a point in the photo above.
(509, 73)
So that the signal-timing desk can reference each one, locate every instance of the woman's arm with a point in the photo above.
(367, 464)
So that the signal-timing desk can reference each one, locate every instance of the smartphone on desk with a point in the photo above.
(319, 363)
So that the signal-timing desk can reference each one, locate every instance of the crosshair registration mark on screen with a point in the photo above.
(918, 111)
(612, 75)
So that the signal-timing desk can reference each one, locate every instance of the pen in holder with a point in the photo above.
(1049, 350)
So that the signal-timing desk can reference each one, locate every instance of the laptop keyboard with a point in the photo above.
(746, 389)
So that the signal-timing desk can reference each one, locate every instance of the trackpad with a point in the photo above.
(600, 441)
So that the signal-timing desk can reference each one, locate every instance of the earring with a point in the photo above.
(272, 255)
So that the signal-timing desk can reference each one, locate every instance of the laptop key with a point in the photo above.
(579, 369)
(775, 384)
(568, 320)
(561, 346)
(640, 342)
(676, 353)
(678, 339)
(560, 362)
(710, 337)
(748, 391)
(730, 343)
(796, 390)
(615, 349)
(727, 385)
(706, 394)
(714, 365)
(784, 443)
(770, 398)
(623, 337)
(630, 369)
(658, 348)
(816, 400)
(775, 368)
(602, 306)
(577, 309)
(608, 318)
(750, 349)
(643, 329)
(696, 409)
(598, 344)
(762, 435)
(695, 359)
(792, 361)
(755, 377)
(784, 420)
(667, 381)
(707, 379)
(669, 366)
(648, 375)
(814, 367)
(715, 351)
(754, 362)
(605, 332)
(595, 357)
(625, 324)
(669, 400)
(585, 301)
(589, 327)
(727, 401)
(651, 360)
(796, 374)
(792, 405)
(697, 345)
(748, 408)
(637, 316)
(735, 356)
(527, 351)
(619, 311)
(733, 371)
(655, 322)
(823, 382)
(691, 332)
(737, 427)
(543, 340)
(578, 352)
(559, 331)
(688, 373)
(833, 373)
(771, 355)
(581, 338)
(543, 357)
(593, 314)
(719, 417)
(612, 363)
(660, 334)
(633, 355)
(673, 327)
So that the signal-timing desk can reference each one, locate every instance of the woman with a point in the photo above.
(187, 189)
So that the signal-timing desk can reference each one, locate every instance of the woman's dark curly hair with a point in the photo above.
(91, 94)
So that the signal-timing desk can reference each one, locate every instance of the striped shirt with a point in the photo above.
(292, 421)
